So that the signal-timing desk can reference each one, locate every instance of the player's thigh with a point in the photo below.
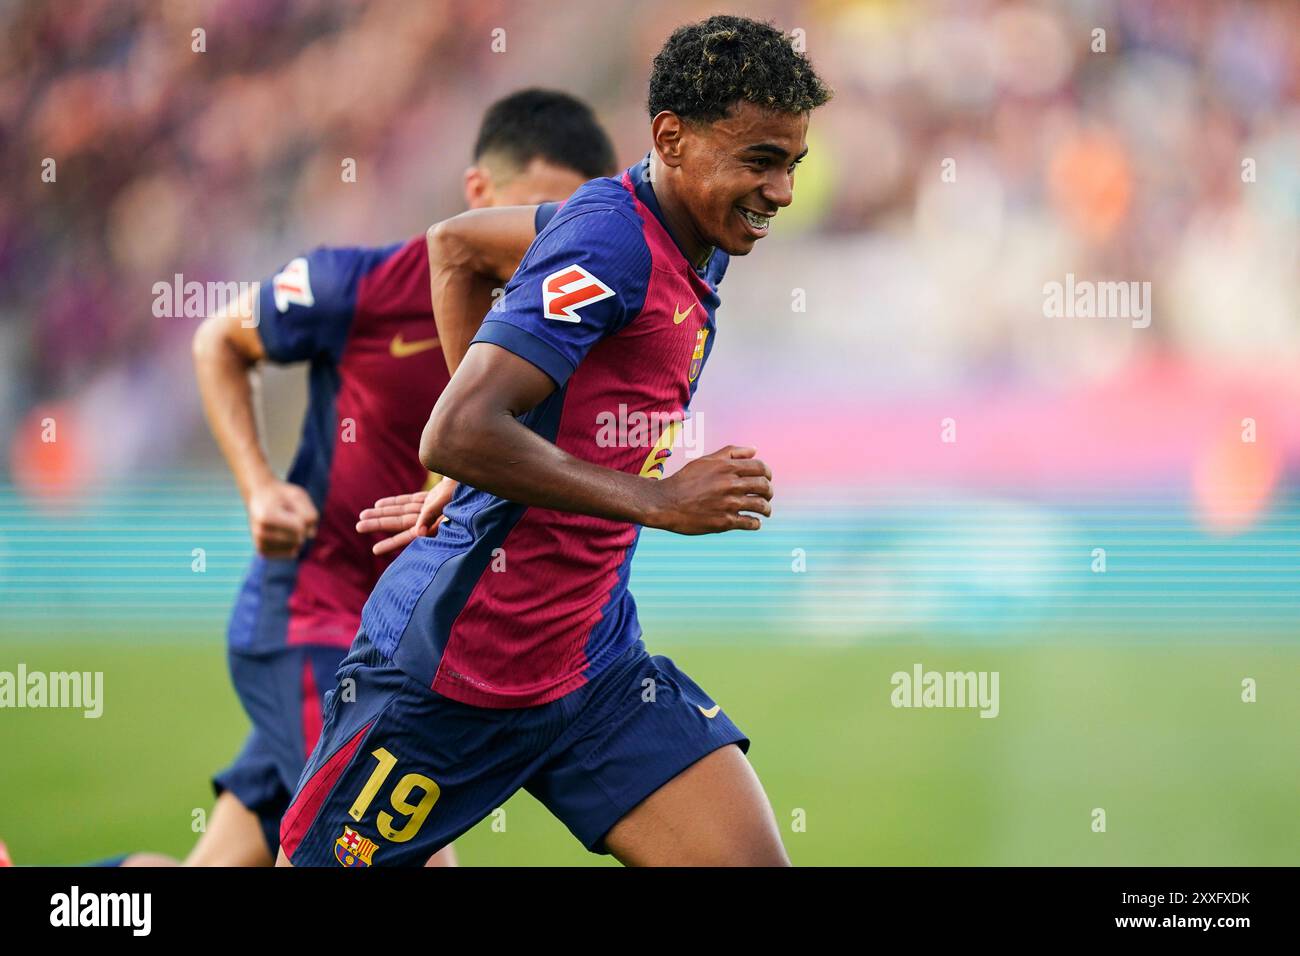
(256, 784)
(713, 813)
(646, 745)
(149, 860)
(282, 693)
(444, 858)
(234, 837)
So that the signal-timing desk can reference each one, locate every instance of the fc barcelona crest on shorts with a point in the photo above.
(352, 849)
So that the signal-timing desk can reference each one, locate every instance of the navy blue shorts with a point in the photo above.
(401, 770)
(283, 692)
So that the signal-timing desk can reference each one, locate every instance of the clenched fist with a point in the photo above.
(282, 518)
(711, 494)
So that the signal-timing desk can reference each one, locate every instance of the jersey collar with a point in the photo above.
(640, 176)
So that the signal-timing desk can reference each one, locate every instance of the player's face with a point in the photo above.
(739, 171)
(538, 182)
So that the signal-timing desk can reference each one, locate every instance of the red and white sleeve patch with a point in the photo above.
(293, 286)
(567, 290)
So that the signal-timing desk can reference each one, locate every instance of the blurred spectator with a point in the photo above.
(1125, 163)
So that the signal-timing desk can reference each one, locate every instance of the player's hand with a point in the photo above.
(711, 494)
(406, 517)
(282, 518)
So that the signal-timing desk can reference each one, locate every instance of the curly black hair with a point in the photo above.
(706, 67)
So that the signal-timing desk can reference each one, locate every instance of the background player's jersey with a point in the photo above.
(512, 606)
(363, 319)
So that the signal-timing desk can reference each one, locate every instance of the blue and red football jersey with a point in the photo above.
(513, 606)
(362, 318)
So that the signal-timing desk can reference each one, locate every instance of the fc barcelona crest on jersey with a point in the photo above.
(352, 849)
(697, 357)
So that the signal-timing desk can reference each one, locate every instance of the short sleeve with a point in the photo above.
(545, 213)
(583, 279)
(306, 308)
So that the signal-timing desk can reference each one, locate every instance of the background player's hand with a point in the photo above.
(710, 493)
(281, 517)
(406, 517)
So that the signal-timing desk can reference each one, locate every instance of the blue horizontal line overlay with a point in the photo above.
(833, 565)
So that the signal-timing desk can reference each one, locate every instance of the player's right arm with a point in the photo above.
(522, 354)
(227, 352)
(300, 315)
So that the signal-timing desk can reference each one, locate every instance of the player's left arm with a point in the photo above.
(470, 257)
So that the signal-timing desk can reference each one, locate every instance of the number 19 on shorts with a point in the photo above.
(413, 814)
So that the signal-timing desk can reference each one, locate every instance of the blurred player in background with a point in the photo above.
(361, 318)
(504, 651)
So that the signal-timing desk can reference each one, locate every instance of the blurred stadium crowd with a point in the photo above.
(976, 151)
(1147, 140)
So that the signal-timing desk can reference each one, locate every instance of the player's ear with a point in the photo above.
(667, 130)
(479, 189)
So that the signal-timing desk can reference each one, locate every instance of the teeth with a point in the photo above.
(755, 220)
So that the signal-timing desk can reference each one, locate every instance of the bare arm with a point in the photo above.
(470, 255)
(474, 436)
(226, 355)
(225, 362)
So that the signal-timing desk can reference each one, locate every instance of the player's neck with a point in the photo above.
(696, 250)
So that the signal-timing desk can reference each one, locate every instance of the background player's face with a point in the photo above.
(495, 184)
(738, 171)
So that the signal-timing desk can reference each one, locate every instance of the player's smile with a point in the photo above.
(756, 223)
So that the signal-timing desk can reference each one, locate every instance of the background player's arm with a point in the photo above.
(470, 255)
(226, 355)
(474, 436)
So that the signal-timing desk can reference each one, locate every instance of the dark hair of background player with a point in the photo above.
(548, 125)
(705, 67)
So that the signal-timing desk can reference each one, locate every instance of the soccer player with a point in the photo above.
(361, 318)
(503, 651)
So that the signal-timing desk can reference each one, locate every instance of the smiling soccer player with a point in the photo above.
(504, 652)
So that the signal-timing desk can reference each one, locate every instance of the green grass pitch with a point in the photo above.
(1157, 736)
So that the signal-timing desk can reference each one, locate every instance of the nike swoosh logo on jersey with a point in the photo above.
(711, 712)
(679, 316)
(400, 349)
